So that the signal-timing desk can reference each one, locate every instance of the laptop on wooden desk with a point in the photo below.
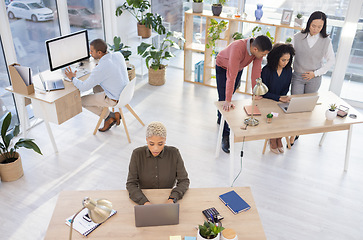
(156, 214)
(299, 104)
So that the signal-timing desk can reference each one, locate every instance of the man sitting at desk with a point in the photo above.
(110, 74)
(156, 166)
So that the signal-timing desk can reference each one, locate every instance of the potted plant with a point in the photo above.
(197, 6)
(298, 20)
(209, 230)
(217, 7)
(237, 36)
(214, 31)
(154, 57)
(258, 29)
(145, 21)
(269, 117)
(288, 40)
(331, 113)
(118, 46)
(11, 168)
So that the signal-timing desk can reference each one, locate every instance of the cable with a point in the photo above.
(240, 170)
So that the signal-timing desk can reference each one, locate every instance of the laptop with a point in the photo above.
(51, 85)
(299, 104)
(156, 214)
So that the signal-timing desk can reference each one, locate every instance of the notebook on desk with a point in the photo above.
(234, 202)
(156, 214)
(299, 104)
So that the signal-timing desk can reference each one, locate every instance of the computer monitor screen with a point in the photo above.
(66, 50)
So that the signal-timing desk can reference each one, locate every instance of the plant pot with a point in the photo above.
(131, 71)
(197, 7)
(143, 31)
(157, 78)
(11, 171)
(298, 22)
(330, 114)
(217, 10)
(199, 237)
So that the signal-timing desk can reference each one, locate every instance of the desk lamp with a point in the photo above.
(98, 210)
(259, 89)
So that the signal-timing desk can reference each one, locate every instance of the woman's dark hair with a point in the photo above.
(277, 52)
(313, 16)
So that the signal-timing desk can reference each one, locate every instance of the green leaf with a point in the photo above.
(5, 123)
(28, 143)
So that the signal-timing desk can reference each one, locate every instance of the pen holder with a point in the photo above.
(269, 118)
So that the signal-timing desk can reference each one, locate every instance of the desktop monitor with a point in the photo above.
(66, 50)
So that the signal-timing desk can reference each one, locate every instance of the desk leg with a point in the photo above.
(231, 157)
(50, 133)
(322, 139)
(347, 150)
(219, 139)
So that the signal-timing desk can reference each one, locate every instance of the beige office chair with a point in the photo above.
(266, 140)
(125, 97)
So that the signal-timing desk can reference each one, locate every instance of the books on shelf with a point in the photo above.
(234, 202)
(256, 111)
(83, 224)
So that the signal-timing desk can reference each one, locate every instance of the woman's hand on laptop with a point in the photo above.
(285, 98)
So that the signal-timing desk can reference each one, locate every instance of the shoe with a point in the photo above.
(281, 149)
(274, 150)
(225, 144)
(219, 121)
(279, 145)
(117, 118)
(107, 125)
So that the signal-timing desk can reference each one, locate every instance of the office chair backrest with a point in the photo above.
(126, 94)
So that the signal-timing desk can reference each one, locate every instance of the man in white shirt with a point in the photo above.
(111, 74)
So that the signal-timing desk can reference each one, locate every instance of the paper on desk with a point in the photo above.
(25, 74)
(175, 238)
(83, 226)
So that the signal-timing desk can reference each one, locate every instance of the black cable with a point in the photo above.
(240, 170)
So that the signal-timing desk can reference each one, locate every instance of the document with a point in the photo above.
(83, 224)
(25, 74)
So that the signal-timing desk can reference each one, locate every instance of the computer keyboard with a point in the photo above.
(80, 73)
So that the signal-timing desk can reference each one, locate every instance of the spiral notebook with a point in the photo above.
(83, 224)
(234, 202)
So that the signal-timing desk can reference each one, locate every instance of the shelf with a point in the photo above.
(196, 47)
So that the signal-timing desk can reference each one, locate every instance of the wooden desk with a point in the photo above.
(285, 124)
(122, 225)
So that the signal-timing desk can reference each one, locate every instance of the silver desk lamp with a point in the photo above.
(259, 90)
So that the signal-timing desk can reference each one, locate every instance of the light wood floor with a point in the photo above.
(302, 194)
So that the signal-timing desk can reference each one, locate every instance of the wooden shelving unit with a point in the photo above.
(190, 46)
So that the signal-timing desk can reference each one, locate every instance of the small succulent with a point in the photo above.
(269, 115)
(299, 15)
(332, 107)
(209, 230)
(288, 40)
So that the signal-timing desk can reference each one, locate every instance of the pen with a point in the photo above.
(212, 218)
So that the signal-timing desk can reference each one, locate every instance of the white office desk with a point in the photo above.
(55, 106)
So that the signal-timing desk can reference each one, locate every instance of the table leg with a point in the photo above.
(322, 139)
(347, 150)
(219, 139)
(231, 156)
(50, 133)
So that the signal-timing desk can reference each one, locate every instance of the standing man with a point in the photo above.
(110, 74)
(229, 65)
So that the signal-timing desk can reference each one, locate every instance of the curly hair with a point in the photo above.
(313, 16)
(156, 129)
(277, 52)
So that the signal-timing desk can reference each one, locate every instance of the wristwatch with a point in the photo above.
(174, 199)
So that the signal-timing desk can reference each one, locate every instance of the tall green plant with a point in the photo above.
(138, 9)
(8, 152)
(214, 32)
(157, 55)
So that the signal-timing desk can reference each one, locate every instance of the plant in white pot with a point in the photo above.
(154, 57)
(299, 20)
(11, 168)
(331, 113)
(209, 230)
(197, 6)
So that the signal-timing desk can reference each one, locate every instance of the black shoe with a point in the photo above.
(218, 121)
(225, 144)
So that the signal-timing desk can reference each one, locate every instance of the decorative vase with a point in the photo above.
(216, 10)
(330, 114)
(258, 12)
(143, 31)
(298, 22)
(131, 71)
(199, 237)
(11, 171)
(157, 78)
(197, 7)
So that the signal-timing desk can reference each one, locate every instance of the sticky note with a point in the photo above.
(190, 238)
(175, 238)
